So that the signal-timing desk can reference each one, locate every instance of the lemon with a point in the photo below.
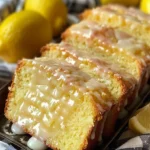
(22, 34)
(55, 11)
(123, 2)
(145, 6)
(140, 123)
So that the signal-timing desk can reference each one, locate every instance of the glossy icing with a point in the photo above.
(53, 95)
(16, 129)
(108, 36)
(109, 40)
(131, 13)
(98, 65)
(36, 144)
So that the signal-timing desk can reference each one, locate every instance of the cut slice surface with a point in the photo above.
(55, 102)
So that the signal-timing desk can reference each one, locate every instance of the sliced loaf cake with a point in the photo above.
(112, 45)
(56, 103)
(120, 84)
(130, 20)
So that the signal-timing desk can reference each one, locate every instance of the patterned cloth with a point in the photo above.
(128, 140)
(141, 142)
(5, 146)
(76, 6)
(7, 7)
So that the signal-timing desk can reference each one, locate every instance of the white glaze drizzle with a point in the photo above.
(101, 67)
(16, 129)
(94, 131)
(132, 14)
(111, 39)
(38, 111)
(36, 144)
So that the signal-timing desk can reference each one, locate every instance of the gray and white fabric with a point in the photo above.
(141, 142)
(7, 7)
(5, 146)
(6, 70)
(76, 6)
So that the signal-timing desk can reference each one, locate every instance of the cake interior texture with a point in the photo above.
(55, 102)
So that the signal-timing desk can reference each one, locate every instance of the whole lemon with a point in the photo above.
(22, 34)
(123, 2)
(55, 11)
(145, 6)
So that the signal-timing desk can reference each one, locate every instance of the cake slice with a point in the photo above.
(112, 45)
(130, 20)
(119, 83)
(57, 103)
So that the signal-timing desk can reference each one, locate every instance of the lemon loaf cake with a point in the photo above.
(130, 20)
(112, 45)
(56, 103)
(119, 82)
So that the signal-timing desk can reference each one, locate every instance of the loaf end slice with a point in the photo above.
(55, 103)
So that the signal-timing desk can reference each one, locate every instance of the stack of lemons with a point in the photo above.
(23, 33)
